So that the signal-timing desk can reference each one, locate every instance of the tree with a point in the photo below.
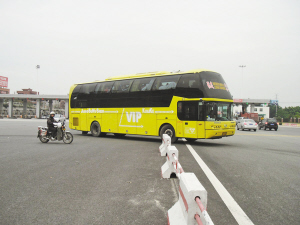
(273, 111)
(287, 112)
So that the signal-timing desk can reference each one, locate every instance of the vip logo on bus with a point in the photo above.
(192, 130)
(133, 116)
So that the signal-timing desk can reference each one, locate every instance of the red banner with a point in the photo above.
(237, 100)
(3, 81)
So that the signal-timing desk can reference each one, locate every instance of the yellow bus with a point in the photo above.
(194, 105)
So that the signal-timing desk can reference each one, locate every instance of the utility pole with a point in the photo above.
(37, 75)
(276, 103)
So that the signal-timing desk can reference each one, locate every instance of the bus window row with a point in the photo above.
(141, 92)
(149, 91)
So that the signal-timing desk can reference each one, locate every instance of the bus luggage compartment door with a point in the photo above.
(190, 129)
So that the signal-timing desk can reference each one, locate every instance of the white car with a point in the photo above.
(59, 117)
(247, 124)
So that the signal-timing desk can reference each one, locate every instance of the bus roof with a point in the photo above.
(138, 75)
(149, 74)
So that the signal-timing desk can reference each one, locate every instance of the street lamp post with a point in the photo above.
(37, 75)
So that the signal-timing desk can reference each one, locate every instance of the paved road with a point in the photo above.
(261, 170)
(117, 181)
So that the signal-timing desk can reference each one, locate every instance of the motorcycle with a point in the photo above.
(45, 135)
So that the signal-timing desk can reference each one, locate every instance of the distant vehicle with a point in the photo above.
(270, 123)
(59, 117)
(18, 104)
(45, 116)
(247, 124)
(45, 135)
(239, 120)
(234, 119)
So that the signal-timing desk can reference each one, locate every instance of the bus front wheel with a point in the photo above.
(96, 129)
(169, 130)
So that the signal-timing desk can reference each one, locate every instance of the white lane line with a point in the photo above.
(237, 212)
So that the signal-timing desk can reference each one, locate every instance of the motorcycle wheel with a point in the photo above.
(43, 139)
(68, 138)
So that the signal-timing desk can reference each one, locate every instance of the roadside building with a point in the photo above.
(27, 91)
(4, 90)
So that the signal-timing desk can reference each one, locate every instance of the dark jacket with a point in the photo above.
(50, 121)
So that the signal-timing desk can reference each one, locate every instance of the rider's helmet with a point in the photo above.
(52, 113)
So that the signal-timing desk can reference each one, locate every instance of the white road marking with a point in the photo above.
(237, 212)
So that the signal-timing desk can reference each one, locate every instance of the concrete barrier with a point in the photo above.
(166, 141)
(171, 166)
(192, 204)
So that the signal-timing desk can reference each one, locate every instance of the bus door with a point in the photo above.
(187, 112)
(201, 120)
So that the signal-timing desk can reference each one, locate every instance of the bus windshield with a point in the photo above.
(218, 111)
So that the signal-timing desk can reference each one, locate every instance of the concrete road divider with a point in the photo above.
(171, 166)
(166, 141)
(191, 206)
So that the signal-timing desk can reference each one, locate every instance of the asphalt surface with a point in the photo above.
(117, 180)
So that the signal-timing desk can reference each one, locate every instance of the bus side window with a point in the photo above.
(165, 83)
(98, 88)
(144, 84)
(74, 96)
(106, 87)
(187, 110)
(121, 86)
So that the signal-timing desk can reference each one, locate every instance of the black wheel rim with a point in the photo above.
(169, 132)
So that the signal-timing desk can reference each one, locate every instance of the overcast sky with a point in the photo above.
(82, 41)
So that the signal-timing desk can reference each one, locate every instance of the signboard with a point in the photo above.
(237, 100)
(273, 102)
(3, 81)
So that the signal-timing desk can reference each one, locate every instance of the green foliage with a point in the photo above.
(285, 113)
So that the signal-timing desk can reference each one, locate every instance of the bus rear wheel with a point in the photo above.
(169, 130)
(96, 129)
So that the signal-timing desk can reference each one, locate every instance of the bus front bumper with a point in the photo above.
(215, 134)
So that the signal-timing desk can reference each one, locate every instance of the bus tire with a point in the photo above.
(169, 130)
(96, 129)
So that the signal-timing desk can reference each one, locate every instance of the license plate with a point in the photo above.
(272, 124)
(224, 133)
(251, 124)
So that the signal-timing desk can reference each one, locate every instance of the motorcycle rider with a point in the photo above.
(50, 124)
